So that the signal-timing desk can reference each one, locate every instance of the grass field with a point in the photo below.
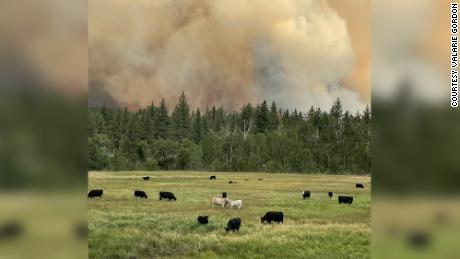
(123, 227)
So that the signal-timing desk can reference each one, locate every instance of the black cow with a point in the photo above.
(146, 177)
(230, 182)
(167, 195)
(359, 185)
(345, 199)
(95, 193)
(330, 195)
(246, 179)
(233, 224)
(270, 216)
(203, 220)
(10, 230)
(224, 195)
(306, 194)
(140, 194)
(212, 177)
(260, 179)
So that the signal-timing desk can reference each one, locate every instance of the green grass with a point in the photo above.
(123, 227)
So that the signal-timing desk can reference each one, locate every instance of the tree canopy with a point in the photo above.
(254, 138)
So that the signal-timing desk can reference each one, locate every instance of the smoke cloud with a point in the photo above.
(297, 53)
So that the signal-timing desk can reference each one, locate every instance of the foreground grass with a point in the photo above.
(122, 227)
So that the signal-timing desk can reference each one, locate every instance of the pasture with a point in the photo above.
(123, 227)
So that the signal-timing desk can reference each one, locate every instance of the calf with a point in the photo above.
(146, 177)
(345, 199)
(330, 195)
(140, 194)
(233, 224)
(306, 194)
(224, 195)
(212, 177)
(203, 220)
(270, 216)
(219, 202)
(95, 193)
(167, 195)
(237, 203)
(359, 185)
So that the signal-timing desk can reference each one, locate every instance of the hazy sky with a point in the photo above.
(297, 53)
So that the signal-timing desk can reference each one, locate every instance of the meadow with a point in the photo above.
(121, 226)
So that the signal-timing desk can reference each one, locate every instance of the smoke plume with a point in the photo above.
(297, 53)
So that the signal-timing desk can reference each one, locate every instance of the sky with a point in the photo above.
(296, 53)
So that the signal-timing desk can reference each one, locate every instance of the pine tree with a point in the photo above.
(197, 129)
(262, 117)
(181, 118)
(162, 121)
(273, 117)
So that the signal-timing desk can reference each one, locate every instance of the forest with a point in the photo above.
(255, 138)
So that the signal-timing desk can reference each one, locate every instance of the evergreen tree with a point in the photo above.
(261, 117)
(181, 118)
(197, 129)
(273, 117)
(162, 121)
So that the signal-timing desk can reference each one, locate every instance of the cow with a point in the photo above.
(306, 194)
(330, 195)
(230, 182)
(95, 193)
(233, 224)
(237, 203)
(270, 216)
(203, 220)
(212, 177)
(219, 201)
(260, 179)
(246, 179)
(224, 195)
(11, 230)
(359, 185)
(345, 199)
(140, 194)
(146, 178)
(166, 195)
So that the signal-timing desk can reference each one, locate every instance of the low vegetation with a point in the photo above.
(123, 227)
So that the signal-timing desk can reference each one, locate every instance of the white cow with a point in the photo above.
(219, 201)
(236, 203)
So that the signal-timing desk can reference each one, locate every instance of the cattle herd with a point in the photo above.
(234, 223)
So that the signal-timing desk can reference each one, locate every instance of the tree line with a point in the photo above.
(255, 138)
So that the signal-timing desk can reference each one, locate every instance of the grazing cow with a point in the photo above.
(230, 182)
(203, 220)
(146, 177)
(237, 203)
(95, 193)
(167, 195)
(345, 199)
(306, 194)
(233, 224)
(260, 179)
(359, 185)
(224, 195)
(270, 216)
(212, 177)
(330, 195)
(246, 179)
(140, 194)
(10, 230)
(419, 239)
(219, 202)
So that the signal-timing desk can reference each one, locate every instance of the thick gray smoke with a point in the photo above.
(297, 53)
